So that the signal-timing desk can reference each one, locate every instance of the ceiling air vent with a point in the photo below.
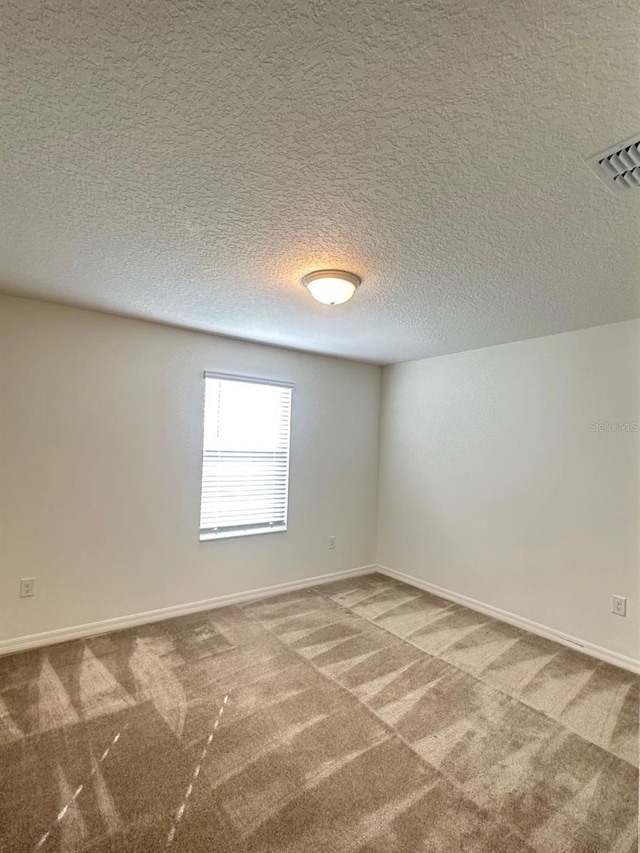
(619, 166)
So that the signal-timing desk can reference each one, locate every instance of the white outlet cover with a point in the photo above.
(27, 587)
(619, 605)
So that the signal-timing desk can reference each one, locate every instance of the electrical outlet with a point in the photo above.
(619, 605)
(27, 587)
(332, 543)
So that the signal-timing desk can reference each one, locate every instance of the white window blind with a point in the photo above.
(245, 463)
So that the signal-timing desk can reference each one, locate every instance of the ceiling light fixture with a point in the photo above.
(331, 287)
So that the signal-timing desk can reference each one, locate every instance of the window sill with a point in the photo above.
(234, 534)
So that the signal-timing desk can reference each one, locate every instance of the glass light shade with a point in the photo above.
(331, 287)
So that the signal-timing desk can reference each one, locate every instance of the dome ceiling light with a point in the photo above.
(331, 287)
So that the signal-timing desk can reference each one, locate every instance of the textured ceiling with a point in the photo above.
(189, 161)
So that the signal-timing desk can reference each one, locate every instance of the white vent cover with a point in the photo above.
(619, 166)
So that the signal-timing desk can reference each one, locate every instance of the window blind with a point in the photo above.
(245, 462)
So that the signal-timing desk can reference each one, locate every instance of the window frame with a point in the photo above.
(208, 534)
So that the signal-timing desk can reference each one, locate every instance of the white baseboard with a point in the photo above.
(587, 648)
(60, 635)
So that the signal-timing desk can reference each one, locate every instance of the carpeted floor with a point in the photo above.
(361, 716)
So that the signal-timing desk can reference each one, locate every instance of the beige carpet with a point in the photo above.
(361, 716)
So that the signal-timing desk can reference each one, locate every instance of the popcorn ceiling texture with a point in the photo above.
(188, 162)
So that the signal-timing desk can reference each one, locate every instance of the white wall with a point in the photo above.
(494, 485)
(492, 482)
(100, 459)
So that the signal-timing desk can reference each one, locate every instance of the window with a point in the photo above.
(245, 461)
